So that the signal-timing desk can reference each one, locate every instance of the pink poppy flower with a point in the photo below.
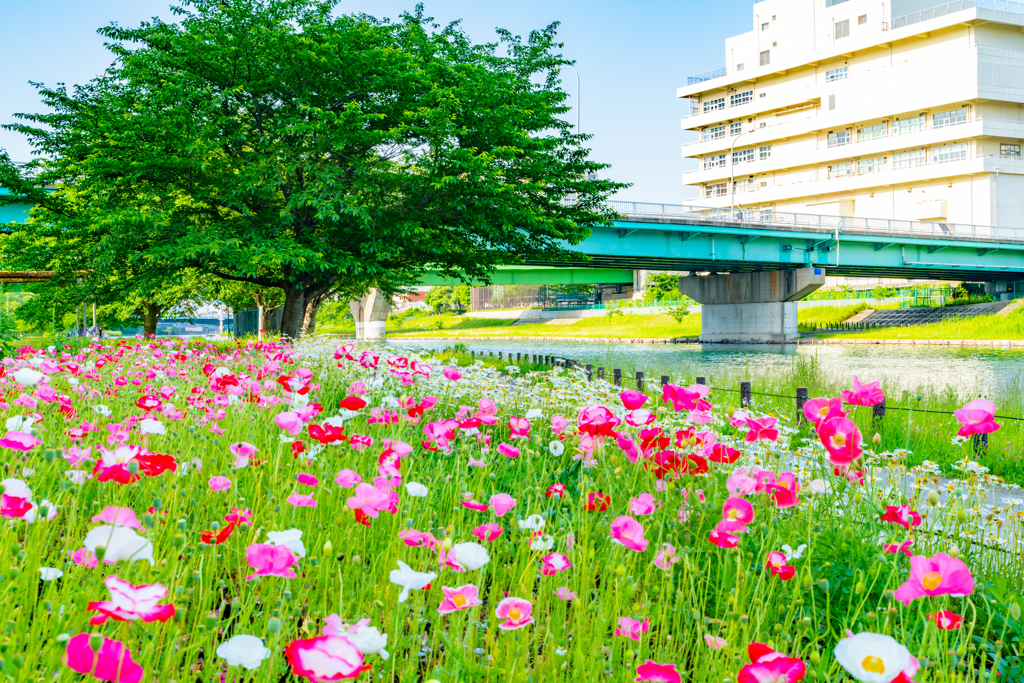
(864, 394)
(460, 598)
(298, 500)
(643, 505)
(117, 516)
(737, 513)
(371, 500)
(554, 563)
(904, 548)
(762, 429)
(630, 533)
(902, 515)
(502, 503)
(507, 450)
(488, 532)
(563, 593)
(628, 628)
(776, 564)
(652, 672)
(359, 442)
(474, 505)
(946, 620)
(936, 575)
(324, 658)
(112, 662)
(785, 490)
(690, 398)
(131, 603)
(596, 421)
(817, 410)
(714, 642)
(558, 424)
(452, 374)
(977, 417)
(307, 479)
(347, 479)
(270, 560)
(740, 484)
(842, 440)
(666, 557)
(723, 539)
(418, 539)
(289, 422)
(520, 427)
(218, 484)
(629, 446)
(778, 669)
(633, 399)
(19, 441)
(640, 417)
(242, 452)
(515, 612)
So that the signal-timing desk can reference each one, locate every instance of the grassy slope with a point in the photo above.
(983, 327)
(603, 327)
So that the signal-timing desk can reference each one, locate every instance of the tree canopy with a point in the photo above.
(272, 143)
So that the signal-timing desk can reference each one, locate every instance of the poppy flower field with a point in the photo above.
(182, 510)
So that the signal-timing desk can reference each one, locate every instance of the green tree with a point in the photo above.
(271, 143)
(447, 298)
(661, 286)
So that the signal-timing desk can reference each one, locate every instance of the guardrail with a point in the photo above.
(847, 225)
(942, 9)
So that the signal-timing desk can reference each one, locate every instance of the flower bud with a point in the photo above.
(447, 543)
(274, 625)
(814, 657)
(133, 467)
(620, 571)
(808, 581)
(328, 548)
(95, 641)
(178, 540)
(50, 455)
(1015, 611)
(876, 439)
(100, 552)
(933, 497)
(954, 551)
(147, 521)
(356, 559)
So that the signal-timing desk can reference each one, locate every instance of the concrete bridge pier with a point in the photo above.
(751, 307)
(370, 313)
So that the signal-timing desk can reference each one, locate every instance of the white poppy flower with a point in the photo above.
(534, 413)
(533, 523)
(556, 448)
(151, 426)
(793, 554)
(19, 423)
(50, 573)
(470, 555)
(78, 476)
(409, 579)
(120, 543)
(27, 377)
(544, 542)
(51, 512)
(368, 640)
(416, 489)
(299, 401)
(243, 650)
(292, 539)
(103, 410)
(872, 657)
(16, 488)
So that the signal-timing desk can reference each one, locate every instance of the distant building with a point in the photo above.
(908, 109)
(411, 299)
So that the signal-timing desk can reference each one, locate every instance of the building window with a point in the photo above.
(743, 155)
(866, 166)
(735, 128)
(830, 3)
(714, 104)
(714, 133)
(736, 99)
(842, 28)
(739, 67)
(944, 155)
(837, 74)
(716, 190)
(744, 185)
(949, 118)
(766, 58)
(831, 102)
(914, 125)
(765, 152)
(761, 95)
(764, 26)
(839, 139)
(714, 162)
(840, 170)
(908, 160)
(1009, 151)
(862, 19)
(876, 132)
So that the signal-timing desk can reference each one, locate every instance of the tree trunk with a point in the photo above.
(152, 315)
(294, 312)
(314, 300)
(268, 317)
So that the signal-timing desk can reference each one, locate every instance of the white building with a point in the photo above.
(901, 109)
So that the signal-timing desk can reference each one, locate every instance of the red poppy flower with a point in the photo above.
(362, 517)
(352, 403)
(297, 448)
(327, 433)
(219, 536)
(722, 453)
(663, 463)
(555, 490)
(597, 502)
(149, 402)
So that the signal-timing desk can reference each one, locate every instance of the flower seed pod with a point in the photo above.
(933, 497)
(274, 625)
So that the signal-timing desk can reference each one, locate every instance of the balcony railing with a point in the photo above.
(707, 76)
(847, 225)
(945, 8)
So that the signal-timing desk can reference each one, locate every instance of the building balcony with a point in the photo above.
(746, 195)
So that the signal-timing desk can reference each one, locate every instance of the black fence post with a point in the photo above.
(980, 444)
(519, 357)
(878, 411)
(639, 381)
(590, 372)
(665, 380)
(617, 377)
(701, 380)
(801, 399)
(600, 372)
(744, 394)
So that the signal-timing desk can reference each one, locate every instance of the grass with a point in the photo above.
(602, 327)
(995, 327)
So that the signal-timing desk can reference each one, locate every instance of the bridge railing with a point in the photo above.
(785, 220)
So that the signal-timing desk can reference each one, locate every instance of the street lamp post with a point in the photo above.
(732, 169)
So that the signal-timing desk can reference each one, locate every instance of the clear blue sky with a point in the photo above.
(631, 57)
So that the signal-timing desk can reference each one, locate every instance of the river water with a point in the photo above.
(968, 372)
